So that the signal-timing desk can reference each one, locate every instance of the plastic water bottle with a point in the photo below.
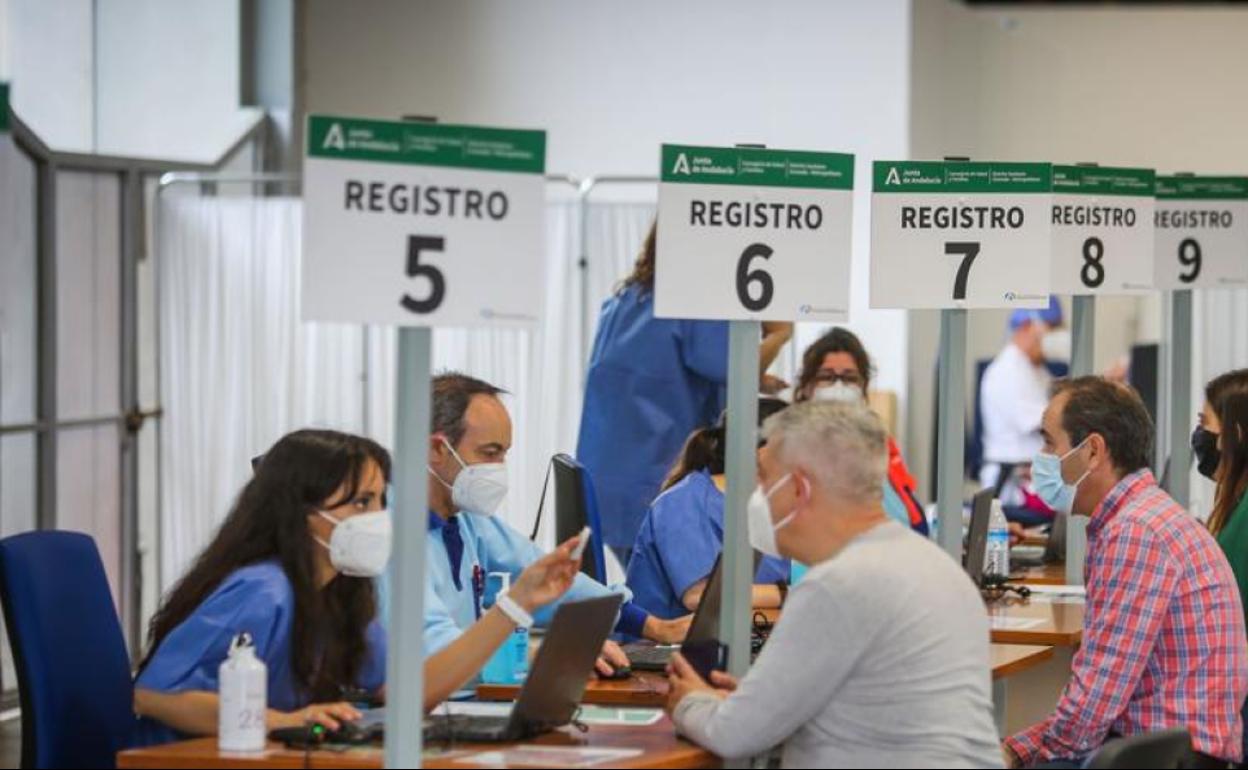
(243, 695)
(998, 556)
(510, 662)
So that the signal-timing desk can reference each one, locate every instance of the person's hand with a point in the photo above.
(328, 715)
(771, 384)
(1011, 759)
(723, 681)
(1017, 533)
(780, 329)
(683, 680)
(671, 631)
(612, 657)
(546, 579)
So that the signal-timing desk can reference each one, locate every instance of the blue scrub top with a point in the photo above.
(257, 599)
(679, 540)
(651, 382)
(483, 544)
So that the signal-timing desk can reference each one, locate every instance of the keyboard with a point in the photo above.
(648, 657)
(470, 729)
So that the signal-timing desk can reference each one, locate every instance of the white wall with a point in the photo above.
(167, 78)
(611, 82)
(1128, 86)
(48, 53)
(148, 78)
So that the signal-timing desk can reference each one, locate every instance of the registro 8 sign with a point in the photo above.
(421, 224)
(749, 233)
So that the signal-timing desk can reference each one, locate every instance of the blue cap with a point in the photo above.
(1051, 315)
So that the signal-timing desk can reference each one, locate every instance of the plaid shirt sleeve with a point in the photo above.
(1130, 585)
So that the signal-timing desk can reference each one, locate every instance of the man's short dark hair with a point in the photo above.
(452, 391)
(1113, 410)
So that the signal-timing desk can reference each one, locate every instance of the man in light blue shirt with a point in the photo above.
(470, 436)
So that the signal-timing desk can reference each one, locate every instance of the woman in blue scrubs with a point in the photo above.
(651, 381)
(683, 532)
(292, 566)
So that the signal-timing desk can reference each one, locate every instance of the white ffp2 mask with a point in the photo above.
(359, 545)
(478, 488)
(762, 529)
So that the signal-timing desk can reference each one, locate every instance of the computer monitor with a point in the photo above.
(977, 536)
(574, 511)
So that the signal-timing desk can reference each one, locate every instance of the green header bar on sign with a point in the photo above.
(757, 166)
(427, 144)
(1179, 188)
(1098, 180)
(4, 106)
(936, 176)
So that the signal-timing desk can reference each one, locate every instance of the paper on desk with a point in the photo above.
(1004, 623)
(550, 756)
(605, 715)
(1058, 590)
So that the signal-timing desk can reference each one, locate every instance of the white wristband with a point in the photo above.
(514, 611)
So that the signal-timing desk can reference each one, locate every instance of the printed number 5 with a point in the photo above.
(969, 251)
(437, 282)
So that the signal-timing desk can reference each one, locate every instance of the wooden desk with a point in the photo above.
(659, 742)
(1010, 659)
(1061, 623)
(1046, 574)
(645, 689)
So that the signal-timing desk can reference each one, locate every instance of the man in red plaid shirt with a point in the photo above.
(1164, 644)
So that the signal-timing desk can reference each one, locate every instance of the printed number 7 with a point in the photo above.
(969, 251)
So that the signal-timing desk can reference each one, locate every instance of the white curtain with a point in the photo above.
(239, 369)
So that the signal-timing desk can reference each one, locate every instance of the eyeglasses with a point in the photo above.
(827, 377)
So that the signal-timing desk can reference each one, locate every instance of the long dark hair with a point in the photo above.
(705, 448)
(1227, 394)
(269, 520)
(836, 340)
(643, 269)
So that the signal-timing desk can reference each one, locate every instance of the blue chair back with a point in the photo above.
(73, 673)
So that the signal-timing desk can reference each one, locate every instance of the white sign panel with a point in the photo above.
(420, 224)
(956, 234)
(1102, 230)
(753, 234)
(1202, 232)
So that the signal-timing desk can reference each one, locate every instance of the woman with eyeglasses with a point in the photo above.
(836, 367)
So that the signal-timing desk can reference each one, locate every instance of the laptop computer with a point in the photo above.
(703, 629)
(552, 692)
(977, 535)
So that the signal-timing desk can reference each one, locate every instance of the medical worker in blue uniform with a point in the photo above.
(292, 568)
(651, 382)
(683, 532)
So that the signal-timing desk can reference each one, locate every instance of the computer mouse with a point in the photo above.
(617, 673)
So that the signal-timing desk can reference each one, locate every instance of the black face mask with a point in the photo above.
(1205, 446)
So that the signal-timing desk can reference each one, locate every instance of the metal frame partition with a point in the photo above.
(129, 416)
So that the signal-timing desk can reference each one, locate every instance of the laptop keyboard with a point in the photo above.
(648, 657)
(467, 728)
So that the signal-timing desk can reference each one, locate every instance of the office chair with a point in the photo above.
(73, 673)
(1164, 749)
